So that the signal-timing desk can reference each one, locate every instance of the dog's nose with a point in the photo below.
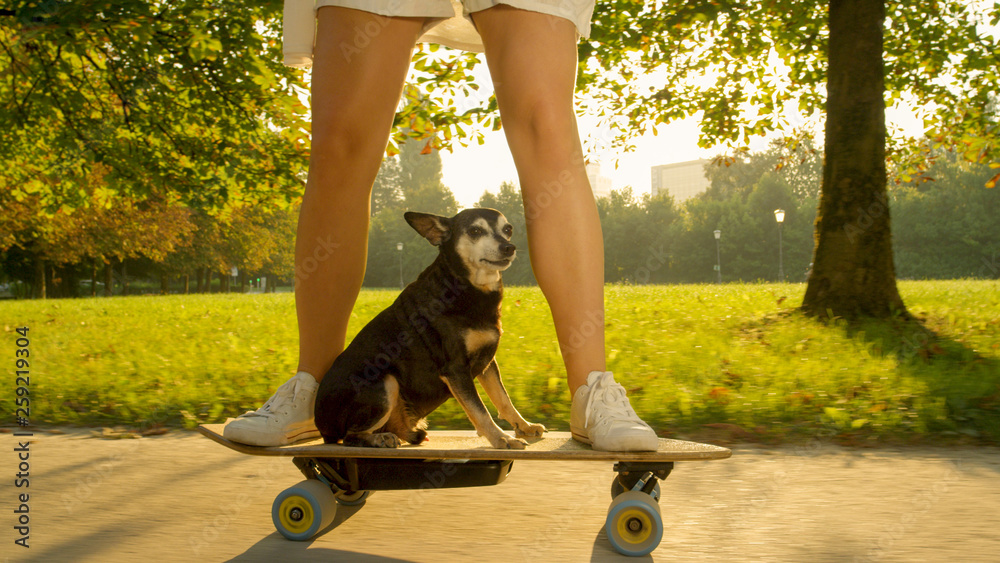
(507, 249)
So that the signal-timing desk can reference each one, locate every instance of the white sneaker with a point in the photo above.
(602, 416)
(285, 418)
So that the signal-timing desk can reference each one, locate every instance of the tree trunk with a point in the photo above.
(201, 280)
(853, 273)
(223, 283)
(124, 278)
(164, 284)
(208, 280)
(70, 281)
(51, 288)
(243, 282)
(187, 284)
(39, 289)
(109, 281)
(93, 279)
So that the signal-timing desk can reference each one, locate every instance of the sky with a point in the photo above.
(469, 171)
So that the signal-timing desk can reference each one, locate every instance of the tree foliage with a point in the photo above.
(188, 96)
(740, 66)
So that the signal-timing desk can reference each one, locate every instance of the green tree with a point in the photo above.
(387, 191)
(105, 233)
(186, 94)
(932, 54)
(420, 180)
(795, 159)
(418, 187)
(947, 228)
(625, 231)
(257, 240)
(662, 213)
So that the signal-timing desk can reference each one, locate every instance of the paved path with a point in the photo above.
(181, 497)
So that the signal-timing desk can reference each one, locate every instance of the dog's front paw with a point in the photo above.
(529, 430)
(506, 442)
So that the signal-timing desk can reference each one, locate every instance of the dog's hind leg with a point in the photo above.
(497, 393)
(376, 436)
(463, 388)
(407, 426)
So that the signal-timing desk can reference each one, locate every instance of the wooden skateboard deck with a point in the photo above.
(467, 445)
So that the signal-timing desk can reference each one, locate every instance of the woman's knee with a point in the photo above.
(544, 122)
(344, 137)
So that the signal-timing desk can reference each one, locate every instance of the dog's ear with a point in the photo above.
(434, 228)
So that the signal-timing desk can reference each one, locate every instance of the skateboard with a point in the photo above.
(346, 475)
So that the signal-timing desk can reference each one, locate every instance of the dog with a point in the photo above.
(431, 344)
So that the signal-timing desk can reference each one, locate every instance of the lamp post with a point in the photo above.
(718, 257)
(399, 247)
(779, 216)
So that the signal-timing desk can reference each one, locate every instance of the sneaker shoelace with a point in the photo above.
(614, 402)
(284, 395)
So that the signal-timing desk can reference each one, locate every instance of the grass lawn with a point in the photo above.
(734, 360)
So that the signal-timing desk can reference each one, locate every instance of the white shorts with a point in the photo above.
(449, 21)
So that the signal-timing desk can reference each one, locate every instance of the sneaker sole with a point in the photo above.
(304, 435)
(265, 440)
(586, 440)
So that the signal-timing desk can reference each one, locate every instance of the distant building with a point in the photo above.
(600, 184)
(683, 180)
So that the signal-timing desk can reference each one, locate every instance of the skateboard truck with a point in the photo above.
(643, 475)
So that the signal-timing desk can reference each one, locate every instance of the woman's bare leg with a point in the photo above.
(359, 66)
(355, 92)
(532, 58)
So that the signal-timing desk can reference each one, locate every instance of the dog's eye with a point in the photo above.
(508, 230)
(476, 232)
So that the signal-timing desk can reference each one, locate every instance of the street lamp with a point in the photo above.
(718, 257)
(399, 247)
(779, 216)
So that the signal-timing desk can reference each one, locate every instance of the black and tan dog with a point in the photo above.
(432, 343)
